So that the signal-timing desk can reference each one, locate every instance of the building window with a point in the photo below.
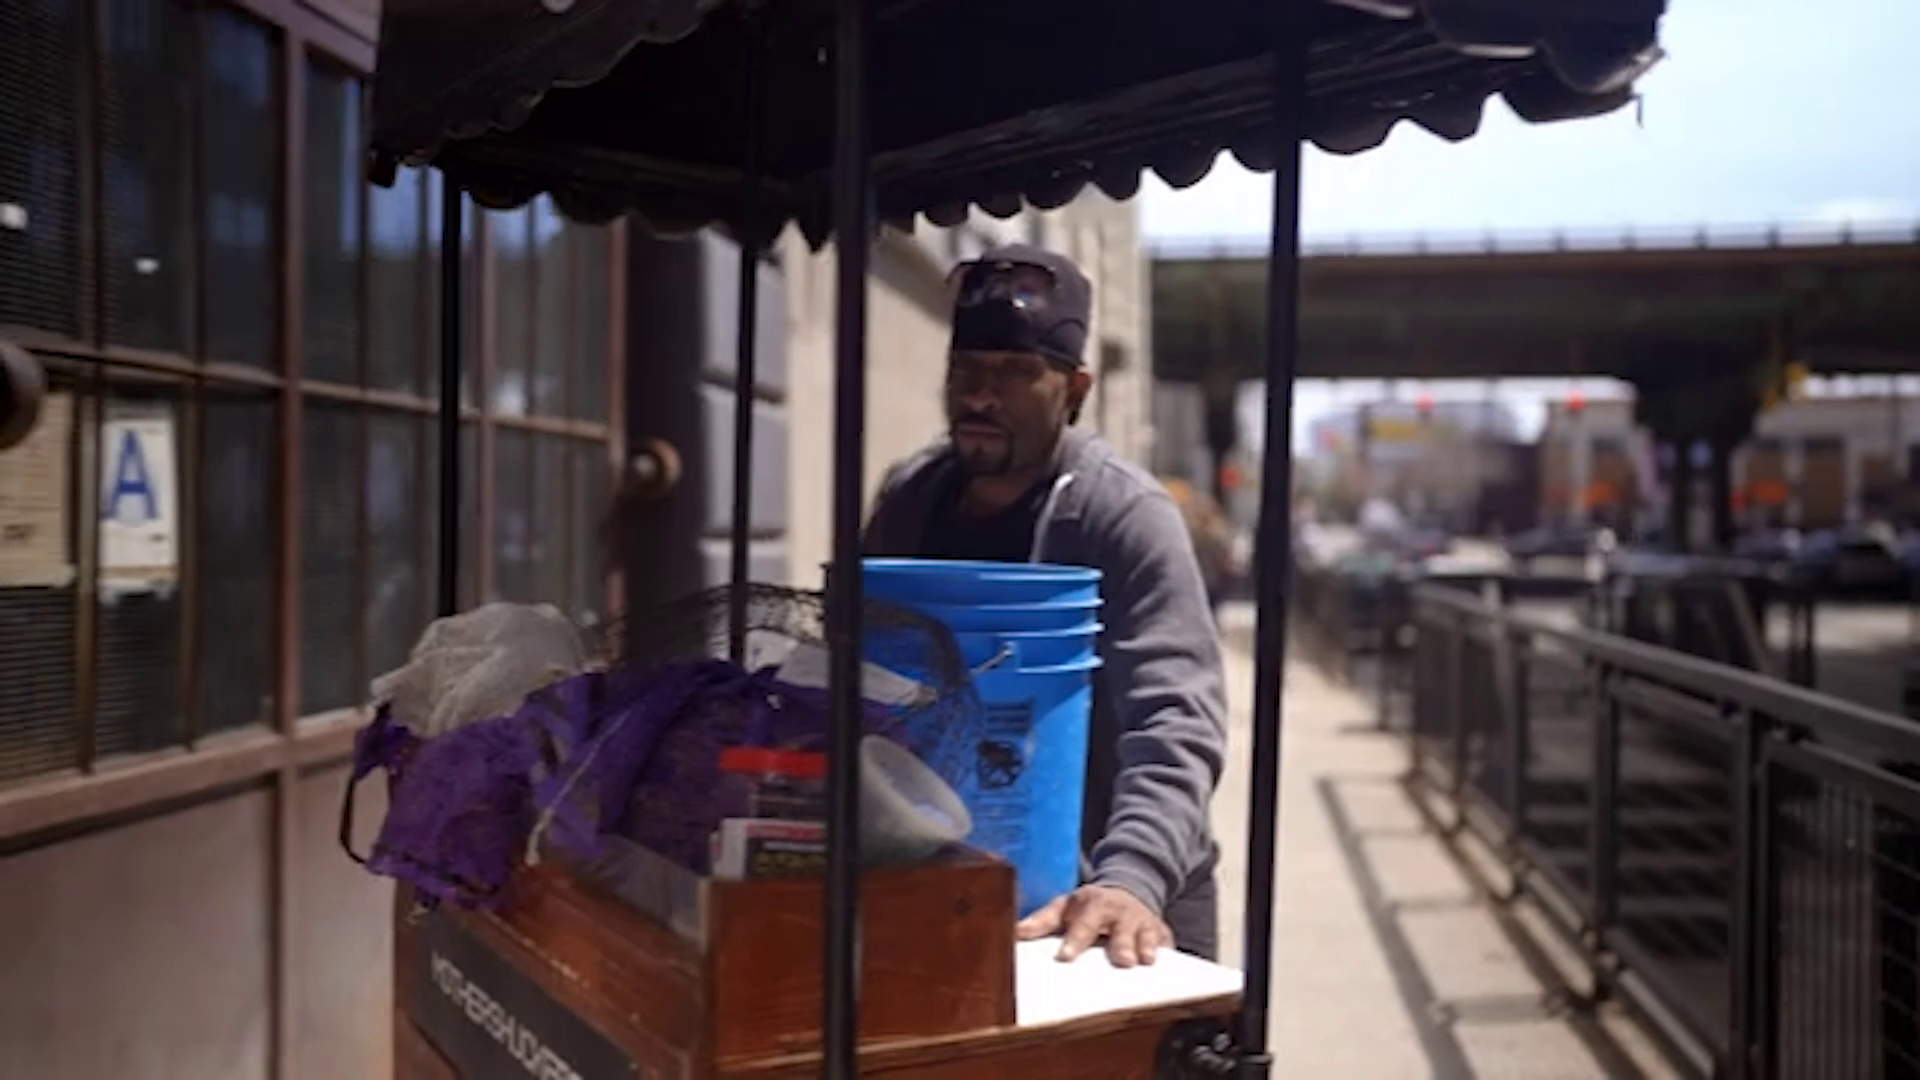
(240, 496)
(400, 273)
(333, 431)
(397, 576)
(369, 466)
(551, 290)
(40, 95)
(242, 138)
(146, 172)
(592, 255)
(330, 323)
(331, 527)
(557, 313)
(148, 612)
(513, 300)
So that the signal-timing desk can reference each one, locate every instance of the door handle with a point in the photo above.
(653, 470)
(23, 386)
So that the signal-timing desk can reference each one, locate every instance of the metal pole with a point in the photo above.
(447, 587)
(852, 227)
(1896, 453)
(1363, 443)
(745, 360)
(1275, 543)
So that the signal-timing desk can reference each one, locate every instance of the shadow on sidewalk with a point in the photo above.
(1438, 1018)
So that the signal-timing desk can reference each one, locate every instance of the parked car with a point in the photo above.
(1423, 543)
(1857, 561)
(1768, 545)
(1552, 541)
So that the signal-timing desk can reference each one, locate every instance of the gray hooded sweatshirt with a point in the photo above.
(1158, 732)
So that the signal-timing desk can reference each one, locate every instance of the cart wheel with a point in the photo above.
(1197, 1050)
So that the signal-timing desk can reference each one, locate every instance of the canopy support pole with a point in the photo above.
(745, 356)
(447, 555)
(1274, 560)
(852, 228)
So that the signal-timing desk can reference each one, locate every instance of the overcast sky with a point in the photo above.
(1764, 112)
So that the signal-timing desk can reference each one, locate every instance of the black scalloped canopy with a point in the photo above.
(617, 106)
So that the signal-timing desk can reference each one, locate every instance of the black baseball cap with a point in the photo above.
(1020, 298)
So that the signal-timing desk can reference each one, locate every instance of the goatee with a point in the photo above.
(981, 461)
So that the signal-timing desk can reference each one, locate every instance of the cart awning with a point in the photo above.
(617, 106)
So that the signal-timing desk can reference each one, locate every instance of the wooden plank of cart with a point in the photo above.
(572, 980)
(750, 114)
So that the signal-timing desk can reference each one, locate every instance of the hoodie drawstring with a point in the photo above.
(1045, 520)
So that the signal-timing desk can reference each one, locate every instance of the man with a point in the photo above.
(1013, 482)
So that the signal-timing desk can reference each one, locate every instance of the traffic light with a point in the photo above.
(1576, 402)
(1424, 406)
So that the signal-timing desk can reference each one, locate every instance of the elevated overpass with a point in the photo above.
(1840, 300)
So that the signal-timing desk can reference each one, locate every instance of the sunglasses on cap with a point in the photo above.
(978, 281)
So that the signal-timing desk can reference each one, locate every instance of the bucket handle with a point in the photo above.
(1008, 651)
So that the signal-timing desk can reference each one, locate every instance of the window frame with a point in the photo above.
(86, 363)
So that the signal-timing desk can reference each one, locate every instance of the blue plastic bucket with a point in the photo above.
(913, 582)
(968, 618)
(985, 649)
(1029, 774)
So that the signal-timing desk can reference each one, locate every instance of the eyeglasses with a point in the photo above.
(968, 373)
(977, 281)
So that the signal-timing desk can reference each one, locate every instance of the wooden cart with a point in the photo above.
(722, 979)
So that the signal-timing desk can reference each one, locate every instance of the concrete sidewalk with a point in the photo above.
(1388, 963)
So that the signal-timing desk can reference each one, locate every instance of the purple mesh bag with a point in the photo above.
(463, 806)
(458, 806)
(680, 796)
(608, 725)
(629, 751)
(632, 751)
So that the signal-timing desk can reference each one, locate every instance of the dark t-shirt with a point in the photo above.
(1006, 536)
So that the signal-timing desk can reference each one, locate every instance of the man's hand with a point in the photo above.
(1134, 934)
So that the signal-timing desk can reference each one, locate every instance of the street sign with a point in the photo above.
(139, 497)
(1384, 429)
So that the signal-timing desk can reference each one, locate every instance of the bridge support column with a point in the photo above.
(1686, 399)
(1679, 491)
(1794, 451)
(1220, 390)
(1579, 469)
(1719, 488)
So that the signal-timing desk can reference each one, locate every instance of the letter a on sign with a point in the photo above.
(131, 480)
(138, 508)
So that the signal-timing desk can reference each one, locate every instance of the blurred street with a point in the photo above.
(1388, 962)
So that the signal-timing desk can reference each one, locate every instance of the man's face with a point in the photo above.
(1006, 410)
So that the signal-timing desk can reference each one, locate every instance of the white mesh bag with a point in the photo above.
(480, 664)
